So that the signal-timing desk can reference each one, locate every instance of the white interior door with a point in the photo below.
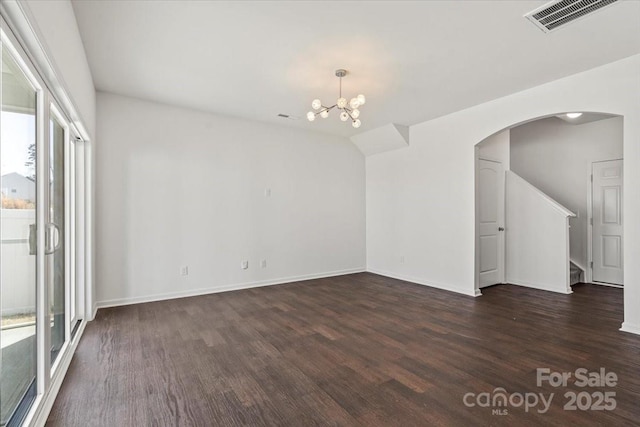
(607, 222)
(491, 222)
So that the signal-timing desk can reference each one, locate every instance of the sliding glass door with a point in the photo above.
(39, 304)
(18, 285)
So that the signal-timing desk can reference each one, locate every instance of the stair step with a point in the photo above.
(575, 274)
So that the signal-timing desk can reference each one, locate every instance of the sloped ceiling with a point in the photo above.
(413, 60)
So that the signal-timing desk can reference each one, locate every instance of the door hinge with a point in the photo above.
(591, 264)
(591, 177)
(591, 221)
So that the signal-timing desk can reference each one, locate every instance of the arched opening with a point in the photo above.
(542, 221)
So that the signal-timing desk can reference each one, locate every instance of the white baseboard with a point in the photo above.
(632, 329)
(472, 293)
(537, 286)
(41, 408)
(608, 285)
(225, 288)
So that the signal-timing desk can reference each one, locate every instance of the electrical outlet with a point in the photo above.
(267, 192)
(263, 263)
(244, 265)
(184, 270)
(402, 259)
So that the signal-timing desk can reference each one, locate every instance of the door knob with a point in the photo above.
(500, 228)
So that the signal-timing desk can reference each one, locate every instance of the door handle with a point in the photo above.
(500, 228)
(58, 238)
(33, 239)
(53, 235)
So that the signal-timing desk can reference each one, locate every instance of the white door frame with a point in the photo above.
(589, 267)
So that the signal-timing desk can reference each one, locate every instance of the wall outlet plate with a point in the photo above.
(244, 265)
(184, 271)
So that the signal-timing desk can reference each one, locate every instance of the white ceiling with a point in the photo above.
(413, 60)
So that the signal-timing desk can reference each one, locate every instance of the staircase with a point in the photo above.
(576, 275)
(537, 238)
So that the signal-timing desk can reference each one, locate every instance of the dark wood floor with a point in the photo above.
(352, 350)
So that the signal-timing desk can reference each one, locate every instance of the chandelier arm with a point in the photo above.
(350, 116)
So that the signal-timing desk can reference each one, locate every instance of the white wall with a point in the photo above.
(556, 157)
(497, 147)
(420, 200)
(537, 238)
(178, 187)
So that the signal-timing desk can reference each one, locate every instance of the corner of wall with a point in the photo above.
(632, 329)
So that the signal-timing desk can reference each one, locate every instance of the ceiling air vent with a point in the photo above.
(288, 116)
(553, 15)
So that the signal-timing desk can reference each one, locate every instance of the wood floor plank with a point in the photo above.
(353, 350)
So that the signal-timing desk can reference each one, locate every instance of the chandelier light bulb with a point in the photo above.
(316, 104)
(324, 113)
(311, 116)
(361, 99)
(355, 113)
(344, 116)
(354, 103)
(356, 123)
(341, 102)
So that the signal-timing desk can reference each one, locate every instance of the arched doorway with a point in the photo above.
(560, 173)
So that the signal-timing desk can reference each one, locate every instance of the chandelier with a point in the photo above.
(349, 110)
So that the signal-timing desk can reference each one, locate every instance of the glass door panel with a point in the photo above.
(18, 239)
(56, 236)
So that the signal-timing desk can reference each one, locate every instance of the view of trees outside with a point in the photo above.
(18, 156)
